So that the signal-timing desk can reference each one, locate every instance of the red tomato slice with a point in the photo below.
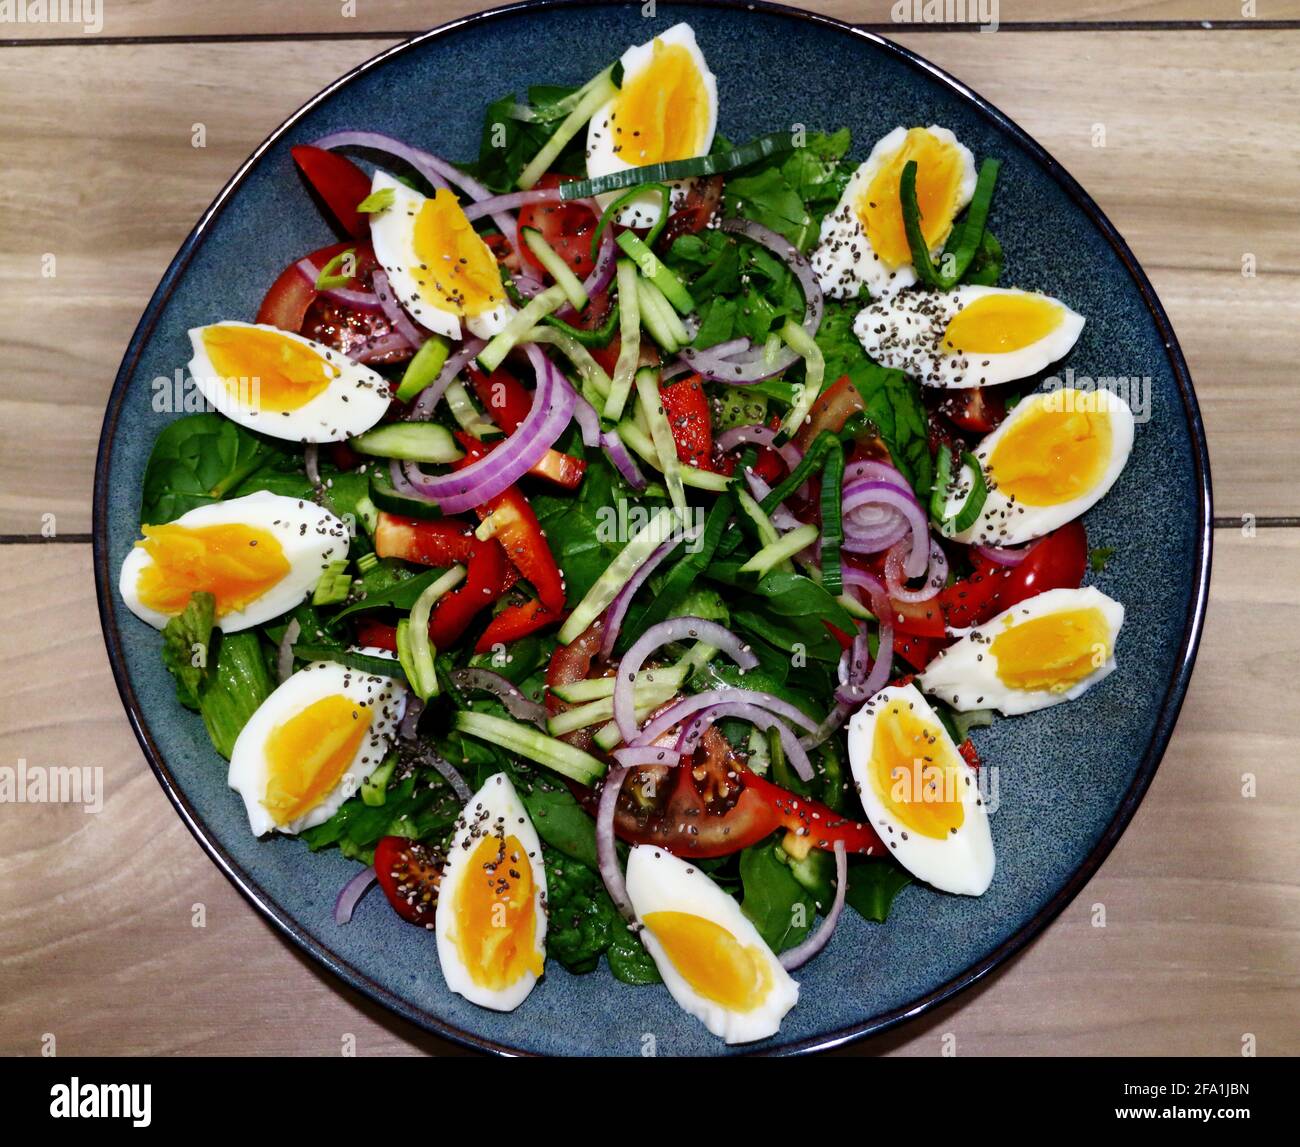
(409, 873)
(567, 227)
(340, 184)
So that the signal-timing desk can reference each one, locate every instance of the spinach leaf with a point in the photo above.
(873, 884)
(507, 144)
(629, 960)
(197, 460)
(186, 640)
(237, 682)
(401, 593)
(780, 907)
(562, 823)
(420, 806)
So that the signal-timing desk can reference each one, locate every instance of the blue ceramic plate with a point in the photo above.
(1070, 778)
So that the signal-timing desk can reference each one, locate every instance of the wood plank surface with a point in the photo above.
(1202, 901)
(1193, 193)
(114, 18)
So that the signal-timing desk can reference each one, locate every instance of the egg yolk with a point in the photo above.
(715, 964)
(914, 773)
(263, 370)
(307, 755)
(1053, 652)
(1055, 451)
(998, 324)
(236, 563)
(494, 914)
(661, 113)
(457, 273)
(939, 172)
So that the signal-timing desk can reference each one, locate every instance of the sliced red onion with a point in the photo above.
(491, 475)
(606, 849)
(755, 715)
(374, 141)
(868, 492)
(448, 772)
(646, 756)
(360, 300)
(311, 463)
(351, 893)
(515, 702)
(876, 592)
(798, 956)
(528, 286)
(689, 706)
(410, 718)
(603, 272)
(1005, 555)
(393, 311)
(584, 414)
(782, 518)
(617, 608)
(617, 452)
(382, 347)
(657, 636)
(511, 201)
(676, 367)
(432, 394)
(753, 365)
(936, 574)
(284, 656)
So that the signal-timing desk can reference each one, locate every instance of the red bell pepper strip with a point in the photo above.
(486, 579)
(441, 542)
(507, 403)
(376, 634)
(514, 622)
(687, 409)
(340, 183)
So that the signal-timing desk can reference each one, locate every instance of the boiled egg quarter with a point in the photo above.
(863, 241)
(970, 336)
(312, 742)
(282, 384)
(1057, 454)
(1040, 652)
(919, 794)
(708, 952)
(259, 556)
(437, 264)
(491, 921)
(666, 109)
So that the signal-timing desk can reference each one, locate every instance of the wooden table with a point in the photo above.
(1200, 104)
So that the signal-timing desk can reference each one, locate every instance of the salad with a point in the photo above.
(610, 543)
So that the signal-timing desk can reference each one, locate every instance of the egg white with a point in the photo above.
(965, 674)
(658, 881)
(392, 231)
(495, 810)
(844, 260)
(602, 140)
(350, 404)
(1003, 522)
(249, 770)
(907, 331)
(310, 536)
(962, 863)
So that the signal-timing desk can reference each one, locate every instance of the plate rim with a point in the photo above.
(1170, 704)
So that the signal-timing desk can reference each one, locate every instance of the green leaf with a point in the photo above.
(186, 640)
(562, 823)
(236, 684)
(780, 907)
(401, 593)
(421, 806)
(1098, 557)
(873, 884)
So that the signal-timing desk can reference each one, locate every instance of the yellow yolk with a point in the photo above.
(1054, 452)
(998, 324)
(914, 774)
(715, 964)
(264, 370)
(1052, 652)
(939, 172)
(457, 273)
(307, 755)
(662, 113)
(235, 563)
(494, 914)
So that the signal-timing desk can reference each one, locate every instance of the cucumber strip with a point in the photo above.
(769, 557)
(558, 110)
(556, 267)
(638, 441)
(855, 608)
(647, 262)
(387, 497)
(595, 382)
(661, 433)
(832, 519)
(525, 741)
(647, 699)
(333, 586)
(468, 416)
(596, 336)
(424, 367)
(629, 351)
(768, 534)
(661, 526)
(413, 634)
(409, 441)
(778, 143)
(608, 215)
(799, 341)
(601, 91)
(374, 789)
(659, 318)
(596, 688)
(543, 303)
